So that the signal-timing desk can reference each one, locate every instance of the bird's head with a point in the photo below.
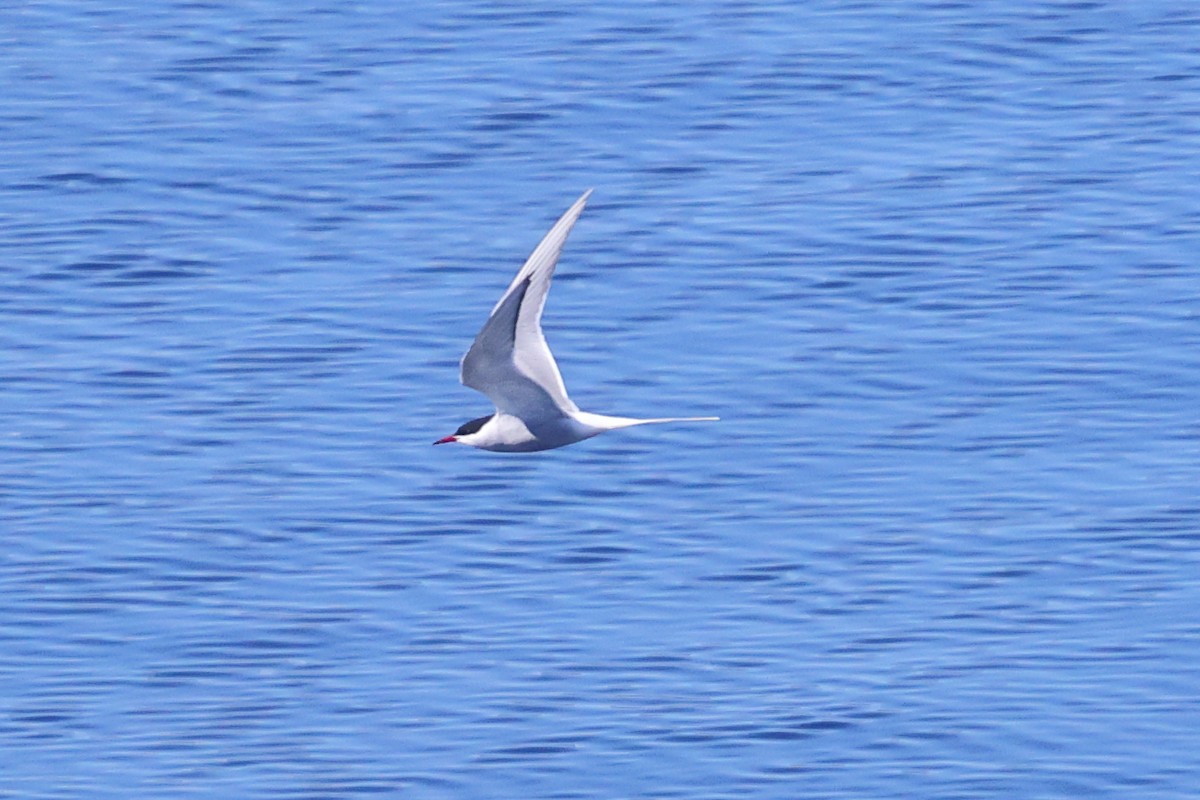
(466, 429)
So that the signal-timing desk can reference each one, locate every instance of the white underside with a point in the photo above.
(504, 433)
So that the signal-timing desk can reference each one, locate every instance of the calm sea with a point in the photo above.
(935, 264)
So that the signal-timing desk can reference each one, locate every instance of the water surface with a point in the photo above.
(934, 265)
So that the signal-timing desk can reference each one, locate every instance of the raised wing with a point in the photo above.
(510, 361)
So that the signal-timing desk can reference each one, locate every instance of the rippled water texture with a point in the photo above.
(934, 264)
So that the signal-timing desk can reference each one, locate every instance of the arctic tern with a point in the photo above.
(511, 363)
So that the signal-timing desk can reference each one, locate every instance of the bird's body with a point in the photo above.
(511, 363)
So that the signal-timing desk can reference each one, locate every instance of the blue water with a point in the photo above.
(933, 263)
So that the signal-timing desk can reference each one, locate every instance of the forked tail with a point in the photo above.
(607, 423)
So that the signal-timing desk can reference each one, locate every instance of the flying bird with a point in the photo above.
(511, 363)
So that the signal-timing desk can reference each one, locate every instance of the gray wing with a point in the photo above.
(510, 361)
